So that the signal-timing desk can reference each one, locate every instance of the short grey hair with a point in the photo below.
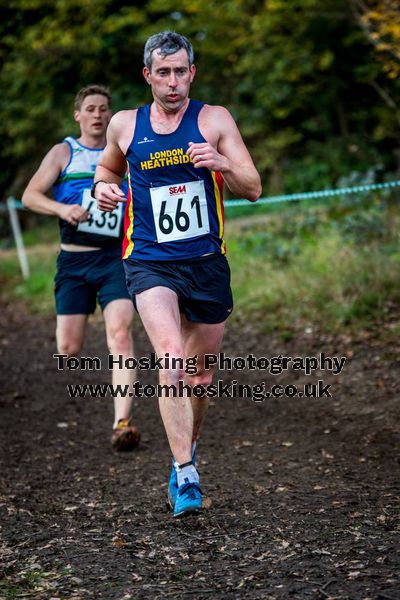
(167, 42)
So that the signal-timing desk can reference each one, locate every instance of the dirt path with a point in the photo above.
(305, 492)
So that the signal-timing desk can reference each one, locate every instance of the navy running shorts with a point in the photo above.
(83, 278)
(202, 284)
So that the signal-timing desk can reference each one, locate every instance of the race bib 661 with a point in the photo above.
(180, 211)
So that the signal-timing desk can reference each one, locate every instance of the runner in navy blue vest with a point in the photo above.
(178, 153)
(89, 266)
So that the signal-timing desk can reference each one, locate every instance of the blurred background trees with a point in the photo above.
(313, 85)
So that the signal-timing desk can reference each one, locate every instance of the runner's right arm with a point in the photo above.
(34, 196)
(112, 166)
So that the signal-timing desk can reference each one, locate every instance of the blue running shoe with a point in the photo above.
(173, 482)
(188, 499)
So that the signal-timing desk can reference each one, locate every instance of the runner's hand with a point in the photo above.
(108, 195)
(204, 155)
(73, 213)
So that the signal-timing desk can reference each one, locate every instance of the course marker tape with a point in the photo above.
(357, 189)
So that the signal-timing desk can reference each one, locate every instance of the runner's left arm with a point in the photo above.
(228, 155)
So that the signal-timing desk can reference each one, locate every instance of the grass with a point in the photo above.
(327, 283)
(27, 584)
(37, 291)
(31, 582)
(333, 265)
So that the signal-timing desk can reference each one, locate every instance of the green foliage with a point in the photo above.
(37, 291)
(49, 52)
(313, 96)
(327, 266)
(380, 20)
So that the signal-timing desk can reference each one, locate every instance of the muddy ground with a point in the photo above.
(304, 492)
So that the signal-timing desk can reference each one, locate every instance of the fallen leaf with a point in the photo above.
(119, 543)
(243, 444)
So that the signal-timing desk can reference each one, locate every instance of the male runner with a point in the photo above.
(176, 150)
(89, 266)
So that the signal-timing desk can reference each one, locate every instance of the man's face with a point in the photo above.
(170, 78)
(94, 115)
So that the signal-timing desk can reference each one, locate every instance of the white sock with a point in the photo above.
(187, 474)
(193, 451)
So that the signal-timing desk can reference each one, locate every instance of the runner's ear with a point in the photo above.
(146, 74)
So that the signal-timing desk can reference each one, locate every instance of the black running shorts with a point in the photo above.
(202, 284)
(83, 278)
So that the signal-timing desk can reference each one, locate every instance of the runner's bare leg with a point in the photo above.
(200, 339)
(118, 317)
(158, 308)
(70, 333)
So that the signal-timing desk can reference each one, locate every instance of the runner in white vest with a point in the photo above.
(89, 266)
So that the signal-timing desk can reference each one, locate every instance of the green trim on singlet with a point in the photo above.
(71, 176)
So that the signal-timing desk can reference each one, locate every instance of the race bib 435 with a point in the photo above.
(100, 222)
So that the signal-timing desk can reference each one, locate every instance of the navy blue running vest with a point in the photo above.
(174, 211)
